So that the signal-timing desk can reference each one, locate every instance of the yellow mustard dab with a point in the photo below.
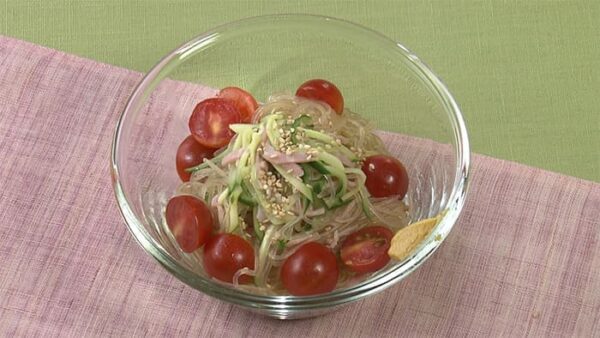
(408, 238)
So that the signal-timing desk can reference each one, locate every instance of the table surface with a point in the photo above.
(526, 74)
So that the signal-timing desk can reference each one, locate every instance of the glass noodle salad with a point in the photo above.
(294, 196)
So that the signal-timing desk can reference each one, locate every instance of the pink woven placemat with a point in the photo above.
(524, 258)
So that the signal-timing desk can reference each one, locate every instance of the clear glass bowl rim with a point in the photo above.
(277, 304)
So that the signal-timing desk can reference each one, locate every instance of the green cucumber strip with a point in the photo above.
(296, 183)
(217, 160)
(233, 181)
(362, 178)
(320, 167)
(272, 129)
(318, 185)
(237, 143)
(247, 200)
(253, 146)
(315, 135)
(239, 128)
(259, 196)
(257, 230)
(358, 172)
(246, 197)
(349, 194)
(302, 120)
(335, 203)
(234, 219)
(223, 196)
(335, 166)
(306, 169)
(365, 203)
(263, 252)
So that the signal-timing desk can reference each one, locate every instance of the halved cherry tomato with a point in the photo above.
(322, 90)
(366, 249)
(225, 254)
(386, 176)
(190, 153)
(311, 270)
(190, 221)
(210, 120)
(243, 100)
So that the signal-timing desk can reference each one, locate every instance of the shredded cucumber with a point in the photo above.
(259, 233)
(247, 199)
(302, 120)
(272, 129)
(216, 160)
(336, 168)
(240, 128)
(234, 218)
(335, 146)
(263, 252)
(320, 167)
(296, 183)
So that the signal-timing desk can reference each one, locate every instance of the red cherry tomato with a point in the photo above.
(386, 176)
(190, 221)
(243, 100)
(311, 270)
(225, 254)
(210, 120)
(366, 249)
(190, 153)
(322, 90)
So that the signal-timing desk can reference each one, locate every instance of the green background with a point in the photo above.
(526, 74)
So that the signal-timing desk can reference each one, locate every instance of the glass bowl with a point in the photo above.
(380, 79)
